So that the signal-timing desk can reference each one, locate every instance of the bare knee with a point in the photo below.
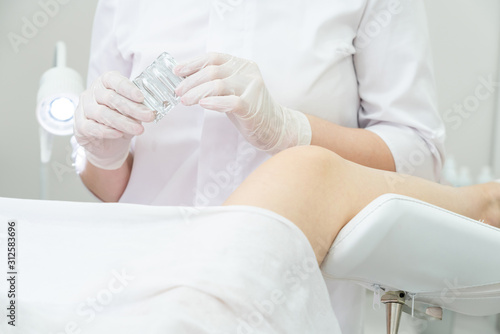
(299, 184)
(303, 169)
(312, 160)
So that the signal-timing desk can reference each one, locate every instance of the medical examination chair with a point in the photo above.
(416, 257)
(419, 259)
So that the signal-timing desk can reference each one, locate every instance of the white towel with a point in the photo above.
(121, 268)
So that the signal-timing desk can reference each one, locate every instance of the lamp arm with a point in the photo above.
(60, 55)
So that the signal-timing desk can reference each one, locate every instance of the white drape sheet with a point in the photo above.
(120, 268)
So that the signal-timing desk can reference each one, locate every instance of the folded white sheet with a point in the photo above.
(120, 268)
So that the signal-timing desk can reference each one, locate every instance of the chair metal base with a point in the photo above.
(394, 301)
(395, 304)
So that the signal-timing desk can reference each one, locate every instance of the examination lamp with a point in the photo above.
(57, 99)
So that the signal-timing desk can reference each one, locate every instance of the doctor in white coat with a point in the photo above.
(354, 77)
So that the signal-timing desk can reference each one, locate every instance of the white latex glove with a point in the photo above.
(235, 86)
(108, 116)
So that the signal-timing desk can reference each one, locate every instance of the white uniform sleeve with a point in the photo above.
(396, 85)
(104, 52)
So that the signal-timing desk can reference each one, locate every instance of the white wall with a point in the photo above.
(465, 39)
(21, 71)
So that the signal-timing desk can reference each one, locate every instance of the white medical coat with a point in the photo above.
(356, 63)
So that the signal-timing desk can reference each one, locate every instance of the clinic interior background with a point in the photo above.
(465, 38)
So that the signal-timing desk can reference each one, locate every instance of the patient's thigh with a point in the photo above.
(301, 184)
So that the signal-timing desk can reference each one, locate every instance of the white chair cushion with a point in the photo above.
(400, 243)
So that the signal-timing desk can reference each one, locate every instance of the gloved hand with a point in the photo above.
(235, 86)
(108, 116)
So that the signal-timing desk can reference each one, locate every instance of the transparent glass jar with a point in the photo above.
(158, 83)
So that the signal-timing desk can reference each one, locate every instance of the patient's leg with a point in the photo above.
(320, 192)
